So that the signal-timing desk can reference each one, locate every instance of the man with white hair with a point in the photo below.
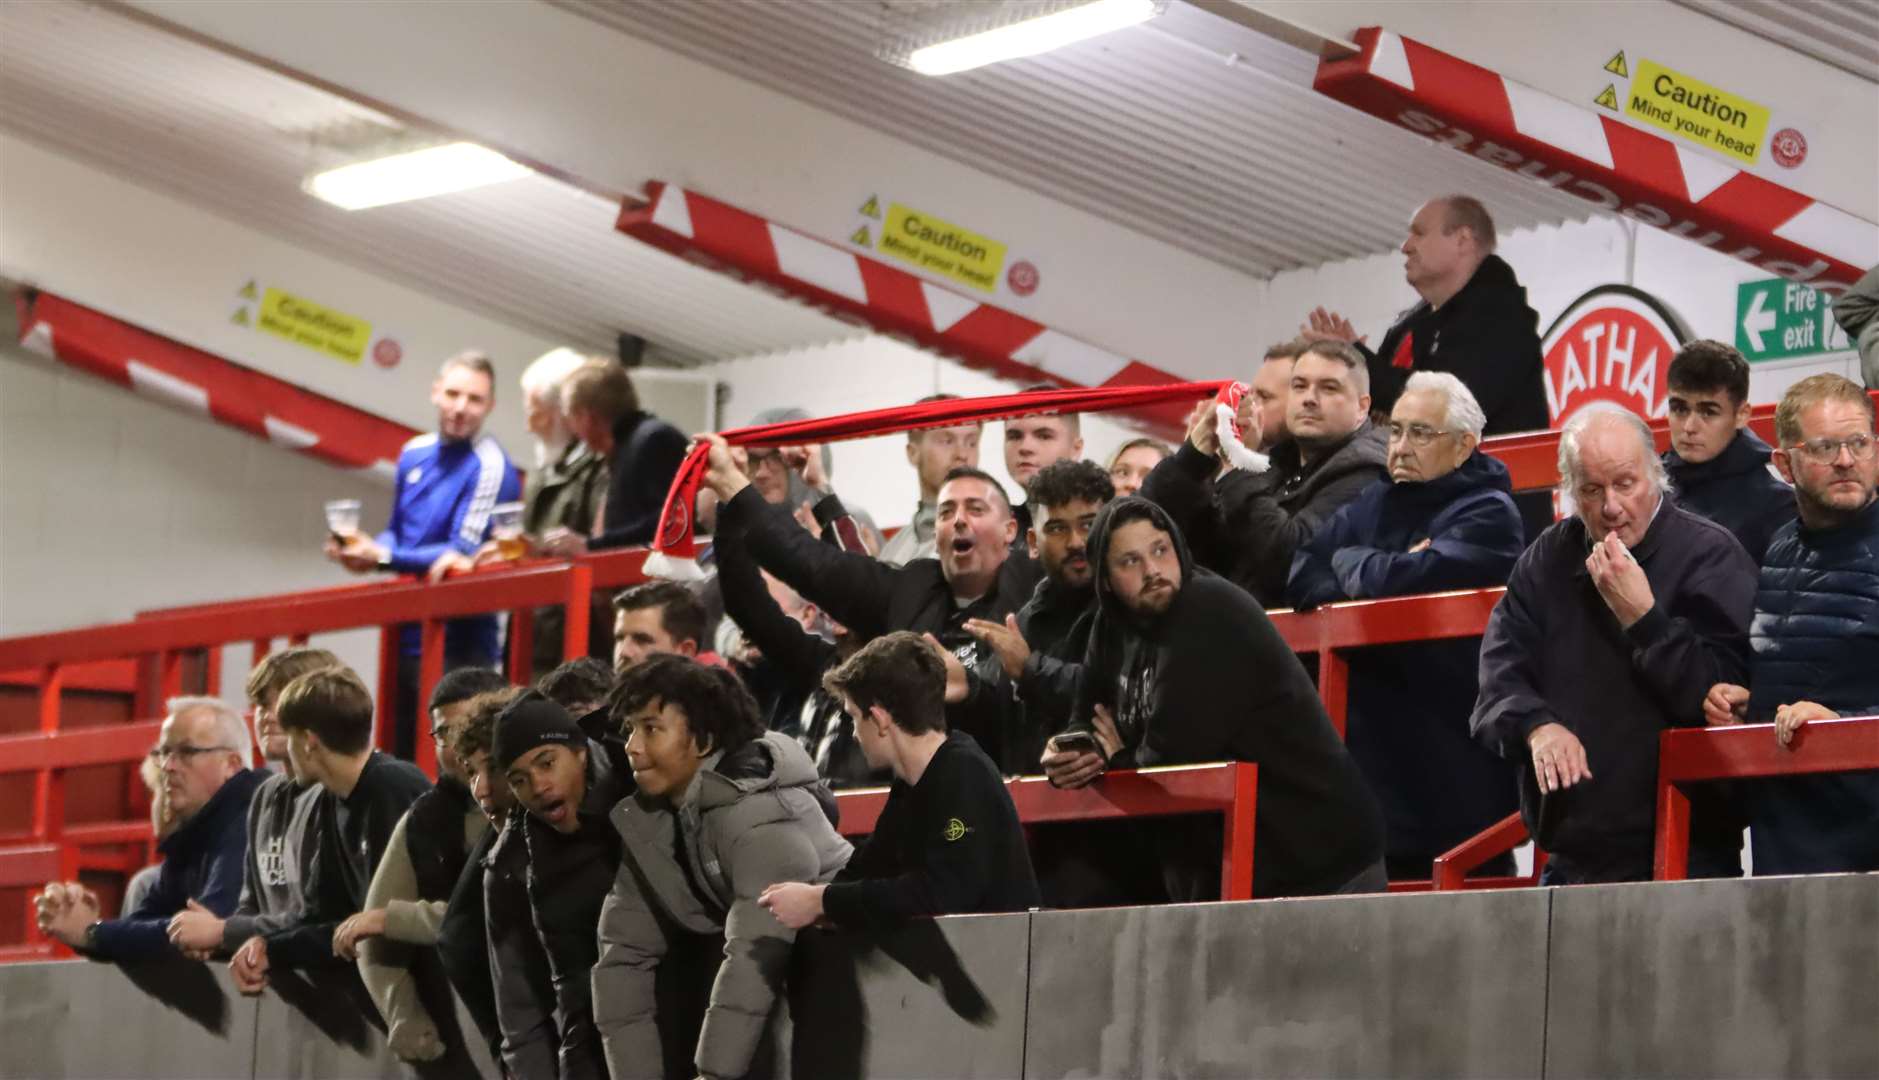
(1616, 623)
(1446, 520)
(203, 752)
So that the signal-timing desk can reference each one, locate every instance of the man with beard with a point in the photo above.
(978, 575)
(1185, 668)
(1445, 521)
(1473, 321)
(1041, 647)
(1816, 633)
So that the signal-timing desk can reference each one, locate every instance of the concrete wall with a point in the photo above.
(1754, 978)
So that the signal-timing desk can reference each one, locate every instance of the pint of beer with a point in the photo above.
(505, 526)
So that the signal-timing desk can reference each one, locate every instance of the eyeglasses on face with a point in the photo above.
(1417, 434)
(187, 753)
(1827, 451)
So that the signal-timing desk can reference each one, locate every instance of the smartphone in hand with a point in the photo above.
(1074, 742)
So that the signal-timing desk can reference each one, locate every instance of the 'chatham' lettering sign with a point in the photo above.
(1614, 344)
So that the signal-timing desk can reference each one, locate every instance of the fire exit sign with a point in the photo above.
(1777, 319)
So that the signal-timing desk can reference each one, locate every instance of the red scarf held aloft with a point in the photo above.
(675, 542)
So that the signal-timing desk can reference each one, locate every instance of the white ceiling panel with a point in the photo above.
(1190, 129)
(186, 119)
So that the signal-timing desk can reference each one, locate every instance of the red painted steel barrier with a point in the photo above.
(1747, 752)
(1227, 788)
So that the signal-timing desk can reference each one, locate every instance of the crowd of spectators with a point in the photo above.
(612, 830)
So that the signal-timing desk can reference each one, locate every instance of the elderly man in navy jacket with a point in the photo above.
(203, 750)
(1446, 520)
(1816, 632)
(1615, 624)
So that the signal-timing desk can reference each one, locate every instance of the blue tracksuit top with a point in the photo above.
(444, 495)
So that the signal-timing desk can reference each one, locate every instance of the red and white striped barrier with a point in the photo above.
(870, 294)
(199, 382)
(1655, 180)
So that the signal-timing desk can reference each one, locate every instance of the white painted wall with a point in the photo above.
(872, 373)
(111, 503)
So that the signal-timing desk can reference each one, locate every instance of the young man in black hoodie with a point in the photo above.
(567, 786)
(1184, 668)
(948, 841)
(977, 575)
(1473, 322)
(327, 715)
(1719, 466)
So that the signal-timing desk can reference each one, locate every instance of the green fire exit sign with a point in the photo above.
(1777, 319)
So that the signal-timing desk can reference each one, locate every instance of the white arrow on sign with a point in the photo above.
(1758, 319)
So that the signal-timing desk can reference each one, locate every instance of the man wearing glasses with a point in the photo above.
(203, 752)
(1446, 520)
(1816, 632)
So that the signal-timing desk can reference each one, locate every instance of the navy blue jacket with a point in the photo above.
(1816, 638)
(1407, 720)
(1734, 489)
(647, 453)
(203, 861)
(1554, 653)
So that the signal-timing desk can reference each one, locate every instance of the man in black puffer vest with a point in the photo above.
(1719, 466)
(1816, 635)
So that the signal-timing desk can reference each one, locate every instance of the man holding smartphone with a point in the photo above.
(948, 841)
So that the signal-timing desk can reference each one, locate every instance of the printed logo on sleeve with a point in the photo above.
(956, 830)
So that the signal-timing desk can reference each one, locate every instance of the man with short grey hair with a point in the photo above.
(1616, 623)
(1473, 321)
(1445, 521)
(203, 752)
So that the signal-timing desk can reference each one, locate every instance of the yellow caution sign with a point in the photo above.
(240, 318)
(1616, 65)
(1608, 98)
(1697, 111)
(861, 237)
(248, 291)
(303, 322)
(871, 208)
(942, 248)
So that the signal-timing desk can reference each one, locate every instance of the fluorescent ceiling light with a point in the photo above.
(1031, 36)
(418, 174)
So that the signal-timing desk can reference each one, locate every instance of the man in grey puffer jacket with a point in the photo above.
(722, 810)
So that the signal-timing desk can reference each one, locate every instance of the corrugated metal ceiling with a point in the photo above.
(1190, 129)
(188, 120)
(1844, 33)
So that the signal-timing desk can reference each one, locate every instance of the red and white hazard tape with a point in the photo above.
(1624, 169)
(868, 293)
(199, 382)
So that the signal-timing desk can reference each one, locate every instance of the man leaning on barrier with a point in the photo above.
(1445, 521)
(203, 751)
(1183, 667)
(279, 851)
(1816, 633)
(948, 841)
(721, 810)
(1615, 623)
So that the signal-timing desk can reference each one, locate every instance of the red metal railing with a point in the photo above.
(1227, 788)
(1693, 755)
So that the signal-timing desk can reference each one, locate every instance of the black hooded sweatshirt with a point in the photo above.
(1734, 489)
(1210, 679)
(1488, 337)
